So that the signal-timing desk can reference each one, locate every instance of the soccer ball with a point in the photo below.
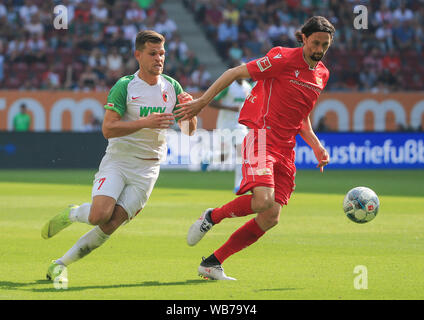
(361, 204)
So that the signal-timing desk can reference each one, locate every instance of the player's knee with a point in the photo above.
(96, 220)
(100, 215)
(269, 218)
(262, 203)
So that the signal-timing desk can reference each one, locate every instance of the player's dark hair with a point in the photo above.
(315, 24)
(147, 36)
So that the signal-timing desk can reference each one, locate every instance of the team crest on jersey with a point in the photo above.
(264, 64)
(319, 81)
(165, 96)
(296, 73)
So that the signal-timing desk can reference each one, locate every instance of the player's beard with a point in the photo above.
(317, 56)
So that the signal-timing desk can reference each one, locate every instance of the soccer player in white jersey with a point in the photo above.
(139, 109)
(229, 102)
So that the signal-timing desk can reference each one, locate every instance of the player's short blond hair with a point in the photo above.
(147, 36)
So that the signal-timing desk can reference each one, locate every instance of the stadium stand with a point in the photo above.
(97, 47)
(92, 53)
(386, 57)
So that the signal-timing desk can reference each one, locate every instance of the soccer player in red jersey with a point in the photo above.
(289, 82)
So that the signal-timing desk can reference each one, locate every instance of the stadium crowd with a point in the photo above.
(95, 50)
(386, 57)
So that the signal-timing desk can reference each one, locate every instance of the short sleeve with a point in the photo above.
(268, 66)
(117, 98)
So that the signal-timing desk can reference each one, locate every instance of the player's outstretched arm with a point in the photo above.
(114, 127)
(187, 127)
(190, 109)
(308, 134)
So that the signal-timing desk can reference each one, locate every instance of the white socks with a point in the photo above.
(87, 243)
(80, 213)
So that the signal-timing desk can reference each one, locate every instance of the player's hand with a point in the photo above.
(323, 158)
(157, 120)
(184, 97)
(189, 110)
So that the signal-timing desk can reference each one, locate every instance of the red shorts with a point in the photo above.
(267, 167)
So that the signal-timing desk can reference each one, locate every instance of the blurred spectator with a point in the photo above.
(88, 79)
(165, 26)
(22, 120)
(391, 62)
(114, 64)
(34, 26)
(213, 17)
(403, 14)
(100, 12)
(234, 52)
(201, 77)
(231, 13)
(51, 79)
(227, 33)
(134, 13)
(27, 10)
(179, 46)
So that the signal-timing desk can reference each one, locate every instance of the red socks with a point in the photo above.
(243, 237)
(239, 207)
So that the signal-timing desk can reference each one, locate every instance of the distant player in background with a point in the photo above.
(138, 110)
(22, 120)
(229, 102)
(289, 82)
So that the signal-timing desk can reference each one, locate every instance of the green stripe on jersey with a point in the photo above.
(117, 98)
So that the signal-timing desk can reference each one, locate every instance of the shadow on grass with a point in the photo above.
(8, 285)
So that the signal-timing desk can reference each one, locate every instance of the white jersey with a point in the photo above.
(232, 96)
(133, 98)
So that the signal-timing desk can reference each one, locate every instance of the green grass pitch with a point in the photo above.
(311, 254)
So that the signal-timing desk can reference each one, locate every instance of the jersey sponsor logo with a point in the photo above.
(264, 172)
(264, 64)
(277, 56)
(251, 98)
(133, 98)
(145, 111)
(303, 84)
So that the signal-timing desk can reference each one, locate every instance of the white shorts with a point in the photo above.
(126, 179)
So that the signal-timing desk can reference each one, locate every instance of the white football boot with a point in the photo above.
(213, 272)
(198, 229)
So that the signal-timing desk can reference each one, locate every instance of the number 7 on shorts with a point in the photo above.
(101, 181)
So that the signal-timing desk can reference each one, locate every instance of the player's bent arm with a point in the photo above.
(228, 77)
(308, 134)
(188, 127)
(114, 127)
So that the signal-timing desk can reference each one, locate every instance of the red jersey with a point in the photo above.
(285, 93)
